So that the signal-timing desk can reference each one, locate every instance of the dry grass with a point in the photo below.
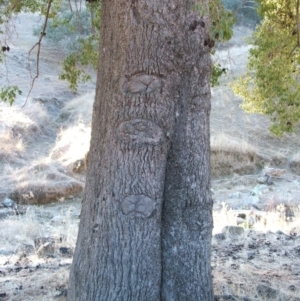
(79, 109)
(41, 277)
(11, 150)
(50, 221)
(38, 150)
(276, 219)
(230, 155)
(16, 231)
(224, 143)
(12, 146)
(72, 145)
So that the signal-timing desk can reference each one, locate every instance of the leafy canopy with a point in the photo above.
(221, 25)
(271, 84)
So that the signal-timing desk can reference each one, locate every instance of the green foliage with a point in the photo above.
(221, 30)
(85, 53)
(217, 72)
(10, 7)
(78, 32)
(221, 19)
(9, 94)
(73, 65)
(271, 85)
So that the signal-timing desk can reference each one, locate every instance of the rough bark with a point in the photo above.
(148, 166)
(187, 205)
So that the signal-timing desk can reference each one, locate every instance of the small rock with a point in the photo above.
(8, 203)
(267, 292)
(2, 295)
(18, 269)
(26, 248)
(241, 215)
(252, 246)
(233, 231)
(66, 251)
(262, 180)
(234, 266)
(259, 190)
(292, 288)
(274, 250)
(250, 255)
(45, 246)
(220, 236)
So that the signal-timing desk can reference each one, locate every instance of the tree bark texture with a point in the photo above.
(146, 218)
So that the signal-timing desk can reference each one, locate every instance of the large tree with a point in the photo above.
(146, 220)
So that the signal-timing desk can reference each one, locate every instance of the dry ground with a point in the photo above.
(41, 150)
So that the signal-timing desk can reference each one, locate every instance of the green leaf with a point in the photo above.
(9, 94)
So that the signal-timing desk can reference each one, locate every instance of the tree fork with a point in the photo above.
(146, 223)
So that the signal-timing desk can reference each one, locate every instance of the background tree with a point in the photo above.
(271, 85)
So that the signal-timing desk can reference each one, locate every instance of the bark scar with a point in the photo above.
(140, 132)
(138, 205)
(143, 84)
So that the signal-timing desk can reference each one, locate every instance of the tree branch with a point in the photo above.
(38, 45)
(70, 5)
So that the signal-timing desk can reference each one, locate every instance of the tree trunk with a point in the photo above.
(146, 222)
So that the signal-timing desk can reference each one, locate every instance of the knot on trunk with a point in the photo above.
(143, 84)
(138, 205)
(140, 132)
